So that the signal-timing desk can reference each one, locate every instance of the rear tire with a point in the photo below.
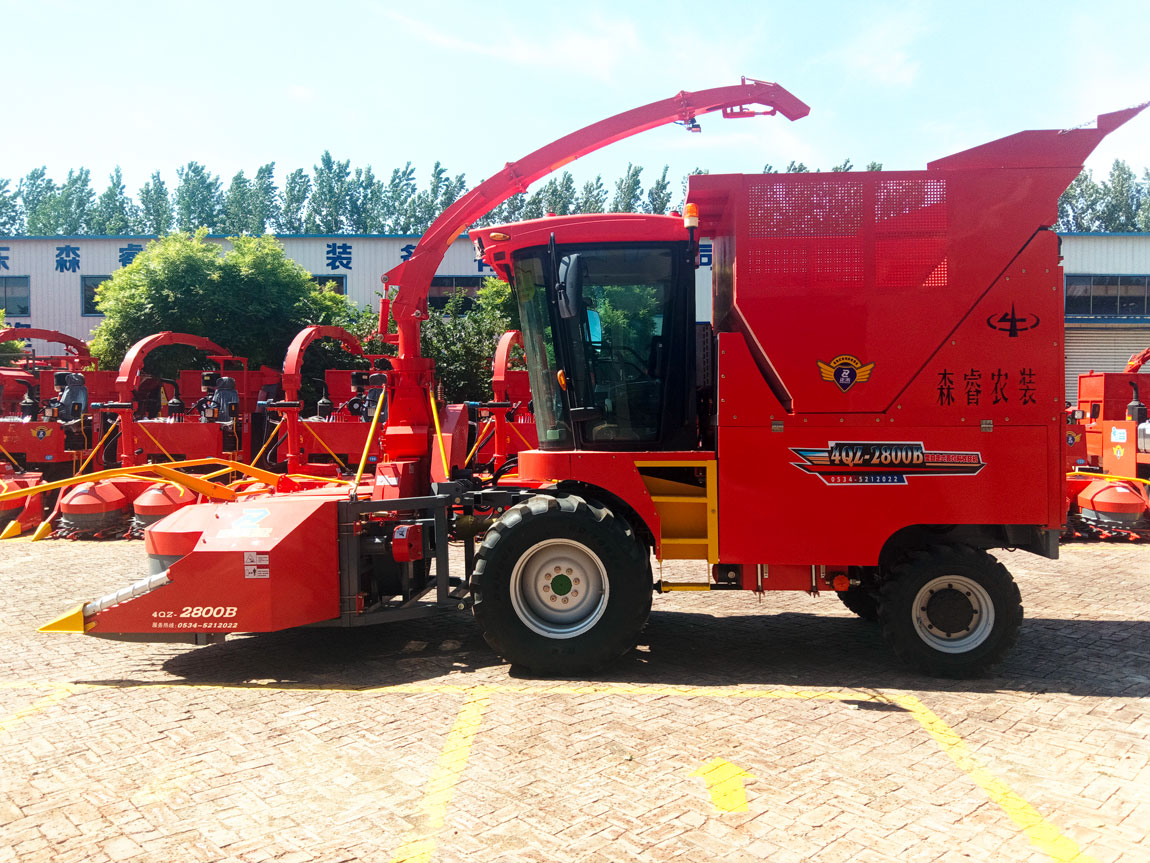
(862, 601)
(862, 597)
(950, 611)
(561, 585)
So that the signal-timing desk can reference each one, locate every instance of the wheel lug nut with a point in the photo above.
(574, 593)
(558, 570)
(564, 600)
(576, 581)
(552, 597)
(569, 570)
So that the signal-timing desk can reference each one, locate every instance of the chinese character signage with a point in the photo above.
(339, 256)
(67, 259)
(128, 253)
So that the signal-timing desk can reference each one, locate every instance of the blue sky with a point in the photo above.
(474, 85)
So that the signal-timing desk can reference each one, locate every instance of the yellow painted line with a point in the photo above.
(1042, 834)
(725, 784)
(59, 691)
(448, 770)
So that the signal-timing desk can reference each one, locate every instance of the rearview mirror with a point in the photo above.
(594, 327)
(570, 294)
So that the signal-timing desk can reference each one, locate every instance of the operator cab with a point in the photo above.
(608, 328)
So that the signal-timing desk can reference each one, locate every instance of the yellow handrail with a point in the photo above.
(144, 429)
(438, 434)
(367, 446)
(167, 471)
(267, 442)
(96, 448)
(315, 434)
(478, 441)
(1109, 477)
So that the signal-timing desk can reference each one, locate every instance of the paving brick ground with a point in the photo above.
(413, 740)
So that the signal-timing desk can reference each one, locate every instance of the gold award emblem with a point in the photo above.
(844, 371)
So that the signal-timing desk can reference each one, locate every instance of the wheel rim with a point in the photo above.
(559, 588)
(953, 614)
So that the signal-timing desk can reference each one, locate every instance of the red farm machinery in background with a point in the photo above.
(862, 418)
(46, 425)
(1108, 455)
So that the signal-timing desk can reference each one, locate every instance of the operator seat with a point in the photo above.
(376, 391)
(226, 399)
(74, 397)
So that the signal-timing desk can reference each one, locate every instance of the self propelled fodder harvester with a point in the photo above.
(860, 418)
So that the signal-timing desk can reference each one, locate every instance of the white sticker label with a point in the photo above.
(254, 558)
(257, 572)
(1117, 435)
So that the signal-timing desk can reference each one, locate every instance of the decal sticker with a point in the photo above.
(883, 463)
(1119, 451)
(41, 432)
(845, 371)
(1072, 438)
(248, 525)
(1117, 435)
(1011, 323)
(973, 392)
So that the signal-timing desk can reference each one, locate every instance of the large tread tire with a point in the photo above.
(547, 529)
(863, 601)
(950, 586)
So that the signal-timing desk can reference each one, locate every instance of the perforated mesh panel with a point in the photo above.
(802, 231)
(811, 209)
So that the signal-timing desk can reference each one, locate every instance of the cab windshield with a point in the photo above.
(594, 326)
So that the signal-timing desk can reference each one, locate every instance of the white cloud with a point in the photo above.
(882, 52)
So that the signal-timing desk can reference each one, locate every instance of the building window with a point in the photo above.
(1107, 296)
(88, 285)
(339, 282)
(15, 296)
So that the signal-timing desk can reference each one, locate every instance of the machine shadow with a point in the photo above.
(387, 655)
(1080, 657)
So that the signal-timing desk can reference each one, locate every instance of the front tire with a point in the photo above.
(950, 611)
(561, 585)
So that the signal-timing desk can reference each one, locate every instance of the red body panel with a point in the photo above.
(258, 566)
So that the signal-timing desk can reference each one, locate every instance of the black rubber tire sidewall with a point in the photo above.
(624, 559)
(898, 593)
(863, 601)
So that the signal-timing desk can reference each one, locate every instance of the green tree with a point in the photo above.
(1122, 197)
(199, 198)
(155, 212)
(237, 214)
(365, 203)
(37, 193)
(593, 197)
(115, 214)
(9, 351)
(439, 195)
(396, 204)
(264, 210)
(659, 195)
(251, 299)
(293, 200)
(843, 166)
(628, 191)
(1144, 210)
(1079, 205)
(327, 208)
(76, 202)
(462, 342)
(11, 217)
